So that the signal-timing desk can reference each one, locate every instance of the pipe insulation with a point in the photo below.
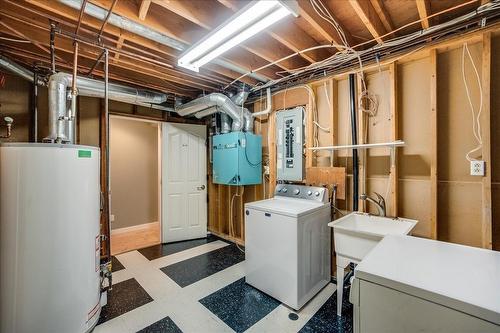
(58, 97)
(19, 70)
(242, 118)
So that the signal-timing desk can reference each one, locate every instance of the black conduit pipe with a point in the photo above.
(354, 132)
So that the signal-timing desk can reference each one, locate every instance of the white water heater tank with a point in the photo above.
(49, 238)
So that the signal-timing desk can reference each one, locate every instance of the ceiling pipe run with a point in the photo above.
(144, 31)
(19, 70)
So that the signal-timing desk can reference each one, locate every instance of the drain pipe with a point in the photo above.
(354, 138)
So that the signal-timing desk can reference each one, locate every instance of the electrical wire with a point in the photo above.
(476, 120)
(231, 220)
(347, 54)
(246, 155)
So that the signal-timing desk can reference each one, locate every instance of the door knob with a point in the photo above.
(200, 188)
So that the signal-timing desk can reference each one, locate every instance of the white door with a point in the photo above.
(184, 182)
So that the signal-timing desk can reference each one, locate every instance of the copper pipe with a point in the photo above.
(106, 20)
(82, 11)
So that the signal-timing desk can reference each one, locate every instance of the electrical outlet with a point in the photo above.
(112, 218)
(266, 169)
(477, 168)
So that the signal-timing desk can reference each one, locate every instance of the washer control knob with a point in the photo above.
(316, 193)
(309, 193)
(296, 191)
(284, 190)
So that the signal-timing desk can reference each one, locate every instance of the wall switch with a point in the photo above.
(112, 218)
(477, 168)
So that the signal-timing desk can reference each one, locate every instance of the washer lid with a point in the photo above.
(459, 277)
(286, 206)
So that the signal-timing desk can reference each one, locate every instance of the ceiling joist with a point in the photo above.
(143, 9)
(368, 15)
(424, 10)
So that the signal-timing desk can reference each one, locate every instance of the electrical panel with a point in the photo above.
(290, 144)
(237, 159)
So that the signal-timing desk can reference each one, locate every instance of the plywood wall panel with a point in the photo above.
(414, 119)
(459, 193)
(414, 203)
(455, 134)
(459, 213)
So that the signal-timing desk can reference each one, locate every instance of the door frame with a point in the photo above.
(159, 152)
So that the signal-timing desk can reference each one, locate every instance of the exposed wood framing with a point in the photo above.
(103, 121)
(271, 132)
(144, 8)
(486, 225)
(262, 46)
(309, 130)
(289, 35)
(424, 10)
(332, 91)
(307, 12)
(434, 145)
(370, 18)
(119, 45)
(43, 8)
(383, 15)
(393, 76)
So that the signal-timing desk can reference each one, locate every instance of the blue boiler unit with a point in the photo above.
(237, 158)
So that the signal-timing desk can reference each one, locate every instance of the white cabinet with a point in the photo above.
(409, 284)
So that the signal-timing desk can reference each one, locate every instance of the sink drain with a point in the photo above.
(293, 316)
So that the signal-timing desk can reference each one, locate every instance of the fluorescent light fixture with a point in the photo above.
(253, 18)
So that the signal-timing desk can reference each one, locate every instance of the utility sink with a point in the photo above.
(356, 234)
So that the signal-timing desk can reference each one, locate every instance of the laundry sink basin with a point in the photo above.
(357, 234)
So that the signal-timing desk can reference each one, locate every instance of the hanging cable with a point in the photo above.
(476, 120)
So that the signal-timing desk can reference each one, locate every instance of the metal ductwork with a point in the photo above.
(241, 117)
(19, 70)
(60, 130)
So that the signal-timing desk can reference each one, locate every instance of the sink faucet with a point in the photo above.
(380, 202)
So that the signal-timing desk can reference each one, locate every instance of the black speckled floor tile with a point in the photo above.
(161, 250)
(116, 265)
(194, 269)
(165, 325)
(239, 305)
(124, 297)
(326, 320)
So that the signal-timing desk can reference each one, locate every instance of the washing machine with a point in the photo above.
(287, 243)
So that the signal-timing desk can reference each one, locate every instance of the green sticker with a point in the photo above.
(84, 153)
